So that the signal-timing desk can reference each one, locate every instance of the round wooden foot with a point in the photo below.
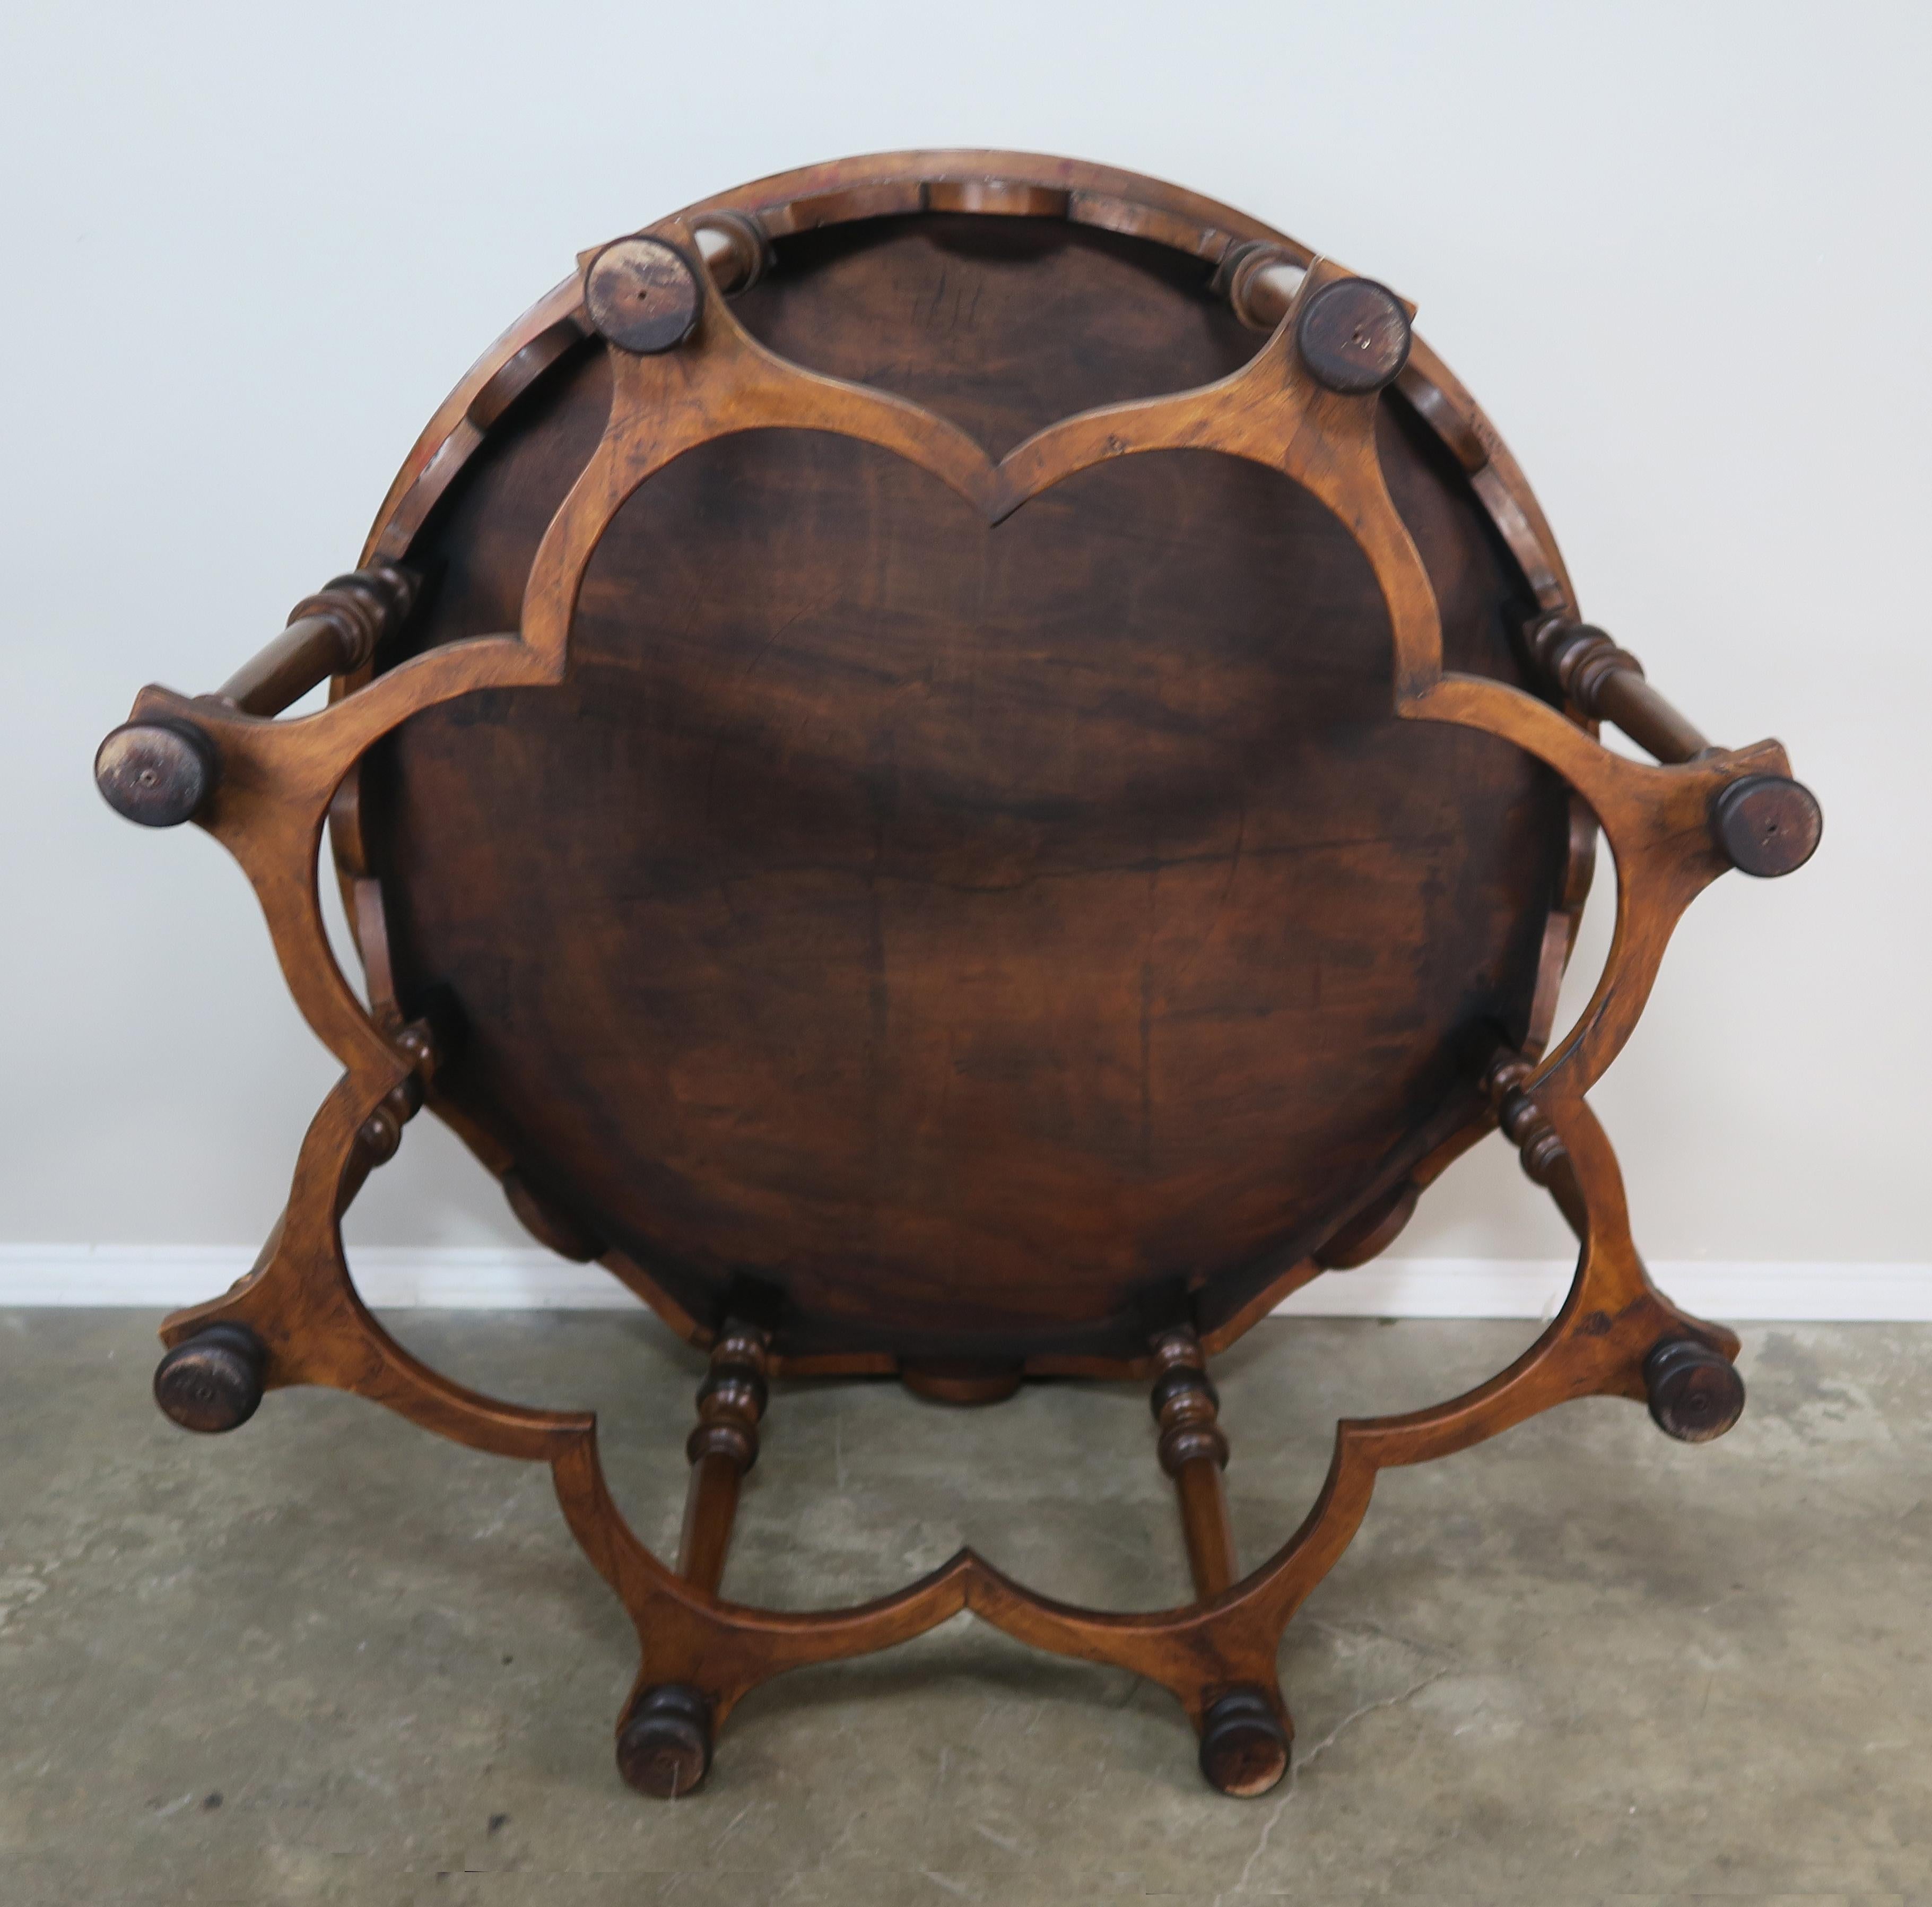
(213, 1380)
(1353, 335)
(1768, 825)
(1243, 1745)
(159, 773)
(1695, 1393)
(665, 1749)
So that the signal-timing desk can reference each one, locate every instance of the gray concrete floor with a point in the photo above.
(331, 1659)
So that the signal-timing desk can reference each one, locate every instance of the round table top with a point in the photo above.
(941, 940)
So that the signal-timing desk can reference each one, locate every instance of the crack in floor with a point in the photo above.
(1298, 1763)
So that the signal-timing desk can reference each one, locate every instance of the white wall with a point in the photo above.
(1679, 252)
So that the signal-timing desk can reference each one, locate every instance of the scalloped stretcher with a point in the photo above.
(905, 806)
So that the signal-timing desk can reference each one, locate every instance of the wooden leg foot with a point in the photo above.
(1243, 1745)
(665, 1749)
(213, 1380)
(1695, 1393)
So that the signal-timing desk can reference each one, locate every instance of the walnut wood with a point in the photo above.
(1194, 1452)
(720, 1450)
(1259, 280)
(734, 248)
(792, 833)
(1606, 682)
(212, 1381)
(641, 294)
(1695, 1392)
(1353, 334)
(1545, 1161)
(517, 503)
(1766, 824)
(163, 772)
(158, 774)
(1372, 1230)
(548, 1223)
(1244, 1744)
(664, 1748)
(961, 1380)
(332, 632)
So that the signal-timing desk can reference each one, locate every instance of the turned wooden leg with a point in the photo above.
(1194, 1452)
(1244, 1744)
(664, 1748)
(723, 1447)
(213, 1380)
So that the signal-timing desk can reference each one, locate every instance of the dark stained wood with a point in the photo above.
(1219, 847)
(333, 633)
(963, 1380)
(212, 1381)
(1353, 335)
(1546, 1161)
(720, 1450)
(548, 1223)
(1372, 1230)
(157, 773)
(1767, 824)
(663, 1749)
(879, 785)
(1244, 1744)
(734, 247)
(1604, 681)
(641, 294)
(1194, 1452)
(1695, 1392)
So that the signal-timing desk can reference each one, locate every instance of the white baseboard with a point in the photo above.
(507, 1278)
(1728, 1293)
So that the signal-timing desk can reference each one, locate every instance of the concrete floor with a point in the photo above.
(331, 1659)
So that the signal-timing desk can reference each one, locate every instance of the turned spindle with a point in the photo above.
(663, 1747)
(161, 772)
(723, 1447)
(380, 1135)
(333, 633)
(1194, 1452)
(1545, 1159)
(1259, 280)
(734, 247)
(1765, 825)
